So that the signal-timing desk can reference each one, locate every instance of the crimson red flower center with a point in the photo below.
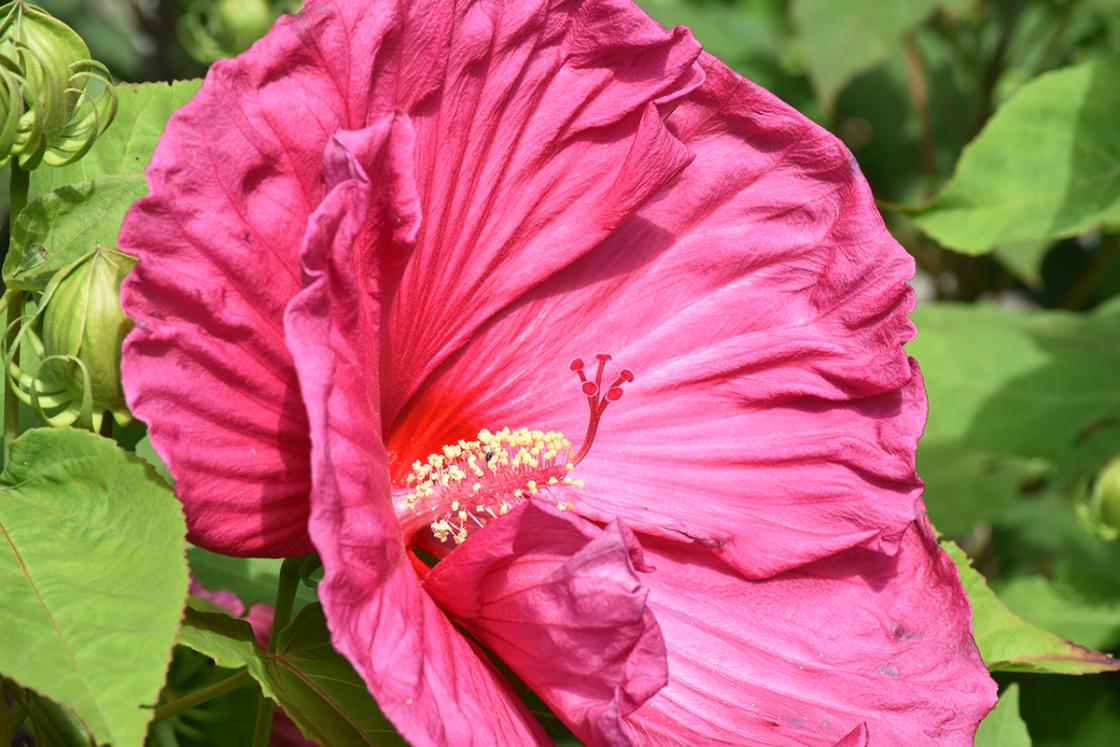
(467, 484)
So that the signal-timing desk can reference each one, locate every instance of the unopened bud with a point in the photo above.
(1102, 509)
(213, 29)
(54, 99)
(83, 322)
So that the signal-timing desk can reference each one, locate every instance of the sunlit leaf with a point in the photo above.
(1013, 396)
(126, 147)
(65, 224)
(1047, 165)
(92, 576)
(1010, 644)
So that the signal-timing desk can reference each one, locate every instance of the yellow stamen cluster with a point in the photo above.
(483, 479)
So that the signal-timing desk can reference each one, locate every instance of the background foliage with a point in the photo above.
(988, 131)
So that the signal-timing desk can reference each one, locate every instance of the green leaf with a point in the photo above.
(1047, 165)
(1012, 396)
(1004, 727)
(1061, 609)
(1010, 644)
(61, 226)
(93, 578)
(965, 487)
(54, 726)
(253, 580)
(145, 451)
(126, 147)
(841, 39)
(1024, 258)
(314, 684)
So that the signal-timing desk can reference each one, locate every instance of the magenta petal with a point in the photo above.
(233, 181)
(546, 134)
(762, 306)
(857, 737)
(425, 676)
(558, 600)
(811, 655)
(227, 600)
(539, 129)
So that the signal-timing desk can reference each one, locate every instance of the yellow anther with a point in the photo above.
(495, 463)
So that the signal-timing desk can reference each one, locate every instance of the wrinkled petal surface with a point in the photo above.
(762, 305)
(808, 657)
(527, 113)
(424, 674)
(558, 599)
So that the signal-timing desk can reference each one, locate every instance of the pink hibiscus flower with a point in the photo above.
(376, 248)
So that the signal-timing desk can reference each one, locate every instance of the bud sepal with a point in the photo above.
(75, 336)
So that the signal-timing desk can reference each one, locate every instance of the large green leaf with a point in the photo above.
(1047, 165)
(1004, 727)
(316, 686)
(61, 226)
(965, 487)
(1012, 396)
(841, 39)
(93, 578)
(1010, 644)
(126, 147)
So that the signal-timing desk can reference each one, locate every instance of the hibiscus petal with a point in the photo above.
(539, 130)
(857, 737)
(810, 657)
(558, 600)
(546, 135)
(762, 305)
(233, 181)
(425, 676)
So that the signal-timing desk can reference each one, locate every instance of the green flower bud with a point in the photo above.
(54, 99)
(213, 29)
(1102, 510)
(84, 327)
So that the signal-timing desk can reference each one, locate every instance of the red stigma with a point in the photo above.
(596, 403)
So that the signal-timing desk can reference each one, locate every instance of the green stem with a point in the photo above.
(190, 700)
(19, 184)
(285, 600)
(17, 200)
(918, 92)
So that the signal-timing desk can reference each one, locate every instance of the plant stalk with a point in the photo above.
(200, 696)
(20, 182)
(286, 589)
